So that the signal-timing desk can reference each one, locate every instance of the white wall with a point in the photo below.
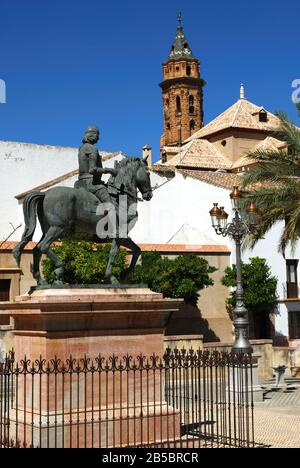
(24, 166)
(178, 210)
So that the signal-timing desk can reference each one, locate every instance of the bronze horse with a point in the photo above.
(62, 210)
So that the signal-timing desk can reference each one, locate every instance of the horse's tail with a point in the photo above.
(31, 208)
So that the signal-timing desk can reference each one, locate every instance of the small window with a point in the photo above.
(164, 157)
(292, 279)
(188, 70)
(178, 104)
(177, 68)
(191, 105)
(192, 126)
(294, 325)
(263, 116)
(4, 290)
(291, 271)
(224, 143)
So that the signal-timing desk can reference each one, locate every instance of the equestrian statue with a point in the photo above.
(106, 211)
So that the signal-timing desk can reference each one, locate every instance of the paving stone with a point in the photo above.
(277, 420)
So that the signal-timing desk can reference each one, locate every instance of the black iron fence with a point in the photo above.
(184, 399)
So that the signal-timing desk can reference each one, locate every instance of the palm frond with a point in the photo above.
(271, 174)
(289, 133)
(273, 184)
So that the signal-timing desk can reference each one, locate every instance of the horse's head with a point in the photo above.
(143, 181)
(132, 174)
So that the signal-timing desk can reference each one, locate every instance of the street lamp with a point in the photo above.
(237, 229)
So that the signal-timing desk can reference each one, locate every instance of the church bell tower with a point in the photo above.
(182, 92)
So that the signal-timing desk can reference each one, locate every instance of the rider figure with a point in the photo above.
(91, 168)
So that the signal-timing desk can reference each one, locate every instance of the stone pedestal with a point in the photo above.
(244, 382)
(111, 402)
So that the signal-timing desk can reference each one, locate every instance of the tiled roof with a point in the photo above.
(62, 178)
(224, 180)
(10, 245)
(213, 248)
(48, 184)
(242, 114)
(163, 170)
(165, 248)
(268, 144)
(200, 154)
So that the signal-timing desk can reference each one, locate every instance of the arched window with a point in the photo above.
(178, 104)
(191, 105)
(192, 125)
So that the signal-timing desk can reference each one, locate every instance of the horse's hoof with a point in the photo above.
(17, 257)
(114, 282)
(124, 275)
(42, 282)
(58, 283)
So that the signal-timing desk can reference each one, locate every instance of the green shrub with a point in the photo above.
(85, 262)
(182, 277)
(258, 284)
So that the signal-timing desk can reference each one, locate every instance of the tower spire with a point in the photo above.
(180, 47)
(179, 16)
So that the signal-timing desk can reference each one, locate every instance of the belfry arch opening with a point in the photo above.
(191, 104)
(178, 104)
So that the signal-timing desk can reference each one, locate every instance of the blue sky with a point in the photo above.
(68, 64)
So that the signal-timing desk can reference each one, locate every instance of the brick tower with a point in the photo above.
(181, 92)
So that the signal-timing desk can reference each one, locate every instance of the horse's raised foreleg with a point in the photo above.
(136, 252)
(53, 234)
(115, 246)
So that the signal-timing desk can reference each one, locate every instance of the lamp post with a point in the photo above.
(237, 229)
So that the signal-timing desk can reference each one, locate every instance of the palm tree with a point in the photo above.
(273, 184)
